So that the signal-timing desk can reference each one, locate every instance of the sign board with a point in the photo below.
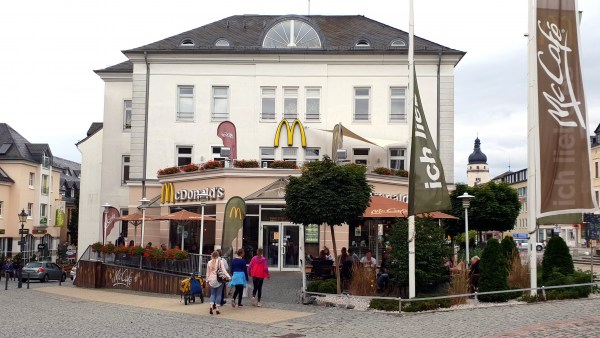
(2, 231)
(311, 233)
(21, 242)
(23, 231)
(39, 231)
(358, 231)
(41, 246)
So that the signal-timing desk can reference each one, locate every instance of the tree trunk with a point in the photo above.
(335, 259)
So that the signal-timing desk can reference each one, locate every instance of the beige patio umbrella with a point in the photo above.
(136, 219)
(182, 217)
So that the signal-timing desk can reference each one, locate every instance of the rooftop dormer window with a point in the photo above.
(223, 43)
(187, 42)
(363, 43)
(398, 43)
(292, 33)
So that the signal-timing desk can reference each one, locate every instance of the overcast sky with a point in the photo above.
(49, 94)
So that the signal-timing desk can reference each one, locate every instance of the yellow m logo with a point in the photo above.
(167, 194)
(290, 132)
(236, 212)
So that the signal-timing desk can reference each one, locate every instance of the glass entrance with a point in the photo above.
(282, 245)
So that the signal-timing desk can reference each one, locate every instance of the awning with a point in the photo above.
(383, 207)
(374, 141)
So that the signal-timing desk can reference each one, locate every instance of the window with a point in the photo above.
(397, 104)
(185, 103)
(216, 154)
(290, 154)
(43, 213)
(597, 196)
(290, 103)
(1, 207)
(220, 103)
(45, 160)
(398, 43)
(268, 103)
(311, 154)
(292, 34)
(397, 158)
(184, 155)
(45, 184)
(361, 104)
(363, 43)
(31, 179)
(127, 114)
(29, 209)
(222, 43)
(596, 169)
(313, 104)
(73, 192)
(125, 169)
(267, 156)
(361, 155)
(124, 224)
(187, 42)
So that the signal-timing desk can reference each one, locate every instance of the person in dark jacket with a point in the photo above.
(474, 274)
(239, 277)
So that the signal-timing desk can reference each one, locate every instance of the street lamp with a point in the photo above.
(144, 205)
(203, 198)
(106, 206)
(466, 198)
(22, 218)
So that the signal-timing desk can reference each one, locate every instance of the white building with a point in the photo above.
(163, 105)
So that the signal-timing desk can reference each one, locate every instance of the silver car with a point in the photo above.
(43, 271)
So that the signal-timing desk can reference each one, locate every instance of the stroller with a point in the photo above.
(190, 288)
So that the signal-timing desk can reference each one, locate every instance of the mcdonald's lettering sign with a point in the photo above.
(236, 212)
(290, 132)
(167, 194)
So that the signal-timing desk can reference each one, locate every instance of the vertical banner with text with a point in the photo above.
(563, 160)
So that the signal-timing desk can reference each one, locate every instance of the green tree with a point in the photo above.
(556, 259)
(493, 275)
(328, 193)
(509, 249)
(430, 253)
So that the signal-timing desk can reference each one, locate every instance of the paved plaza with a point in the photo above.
(50, 310)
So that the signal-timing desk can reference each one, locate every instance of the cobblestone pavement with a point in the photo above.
(32, 313)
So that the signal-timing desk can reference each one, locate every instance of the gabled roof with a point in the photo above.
(339, 34)
(20, 148)
(275, 190)
(94, 128)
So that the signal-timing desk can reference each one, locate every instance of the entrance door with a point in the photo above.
(283, 245)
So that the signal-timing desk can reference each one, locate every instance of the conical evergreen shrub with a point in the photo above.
(509, 248)
(556, 259)
(493, 275)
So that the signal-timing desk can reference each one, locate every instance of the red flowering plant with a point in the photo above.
(246, 164)
(383, 171)
(190, 167)
(154, 254)
(121, 249)
(402, 172)
(137, 250)
(97, 247)
(212, 165)
(108, 248)
(176, 254)
(168, 171)
(284, 165)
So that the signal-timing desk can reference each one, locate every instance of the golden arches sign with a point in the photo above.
(290, 132)
(236, 212)
(167, 194)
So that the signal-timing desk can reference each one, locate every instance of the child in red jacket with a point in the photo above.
(258, 269)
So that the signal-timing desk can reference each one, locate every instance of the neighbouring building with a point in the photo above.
(29, 181)
(227, 91)
(478, 171)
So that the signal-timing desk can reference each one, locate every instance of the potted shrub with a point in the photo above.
(383, 171)
(168, 171)
(402, 173)
(108, 248)
(190, 167)
(284, 165)
(212, 165)
(246, 164)
(154, 254)
(97, 247)
(137, 251)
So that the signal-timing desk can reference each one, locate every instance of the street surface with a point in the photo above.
(50, 310)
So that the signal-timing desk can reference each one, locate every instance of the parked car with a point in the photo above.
(523, 242)
(43, 271)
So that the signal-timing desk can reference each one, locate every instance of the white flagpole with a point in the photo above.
(532, 130)
(411, 219)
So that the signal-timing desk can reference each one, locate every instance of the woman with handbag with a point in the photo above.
(259, 270)
(216, 275)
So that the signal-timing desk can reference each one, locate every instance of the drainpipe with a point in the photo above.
(438, 99)
(146, 126)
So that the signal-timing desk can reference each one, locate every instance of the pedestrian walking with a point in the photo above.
(239, 277)
(214, 268)
(225, 292)
(258, 270)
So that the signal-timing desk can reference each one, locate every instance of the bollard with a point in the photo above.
(6, 281)
(544, 292)
(19, 282)
(400, 305)
(28, 280)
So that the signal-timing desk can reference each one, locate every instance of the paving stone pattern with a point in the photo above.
(33, 313)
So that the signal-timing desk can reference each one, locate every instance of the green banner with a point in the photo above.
(427, 190)
(235, 212)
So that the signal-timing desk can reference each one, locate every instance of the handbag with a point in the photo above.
(221, 277)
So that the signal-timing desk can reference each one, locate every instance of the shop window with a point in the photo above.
(397, 104)
(290, 154)
(220, 106)
(184, 155)
(397, 158)
(361, 103)
(267, 156)
(267, 104)
(290, 103)
(311, 154)
(313, 104)
(361, 156)
(185, 103)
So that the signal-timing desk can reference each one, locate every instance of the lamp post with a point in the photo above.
(22, 218)
(203, 198)
(466, 198)
(106, 206)
(144, 205)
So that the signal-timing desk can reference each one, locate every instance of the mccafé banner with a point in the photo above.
(563, 183)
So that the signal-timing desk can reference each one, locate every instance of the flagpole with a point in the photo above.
(532, 129)
(411, 104)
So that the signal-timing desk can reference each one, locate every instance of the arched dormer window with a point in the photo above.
(398, 43)
(292, 33)
(223, 43)
(187, 42)
(362, 43)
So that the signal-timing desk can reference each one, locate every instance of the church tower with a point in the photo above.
(478, 171)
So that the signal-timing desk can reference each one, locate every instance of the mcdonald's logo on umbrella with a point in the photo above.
(290, 132)
(167, 194)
